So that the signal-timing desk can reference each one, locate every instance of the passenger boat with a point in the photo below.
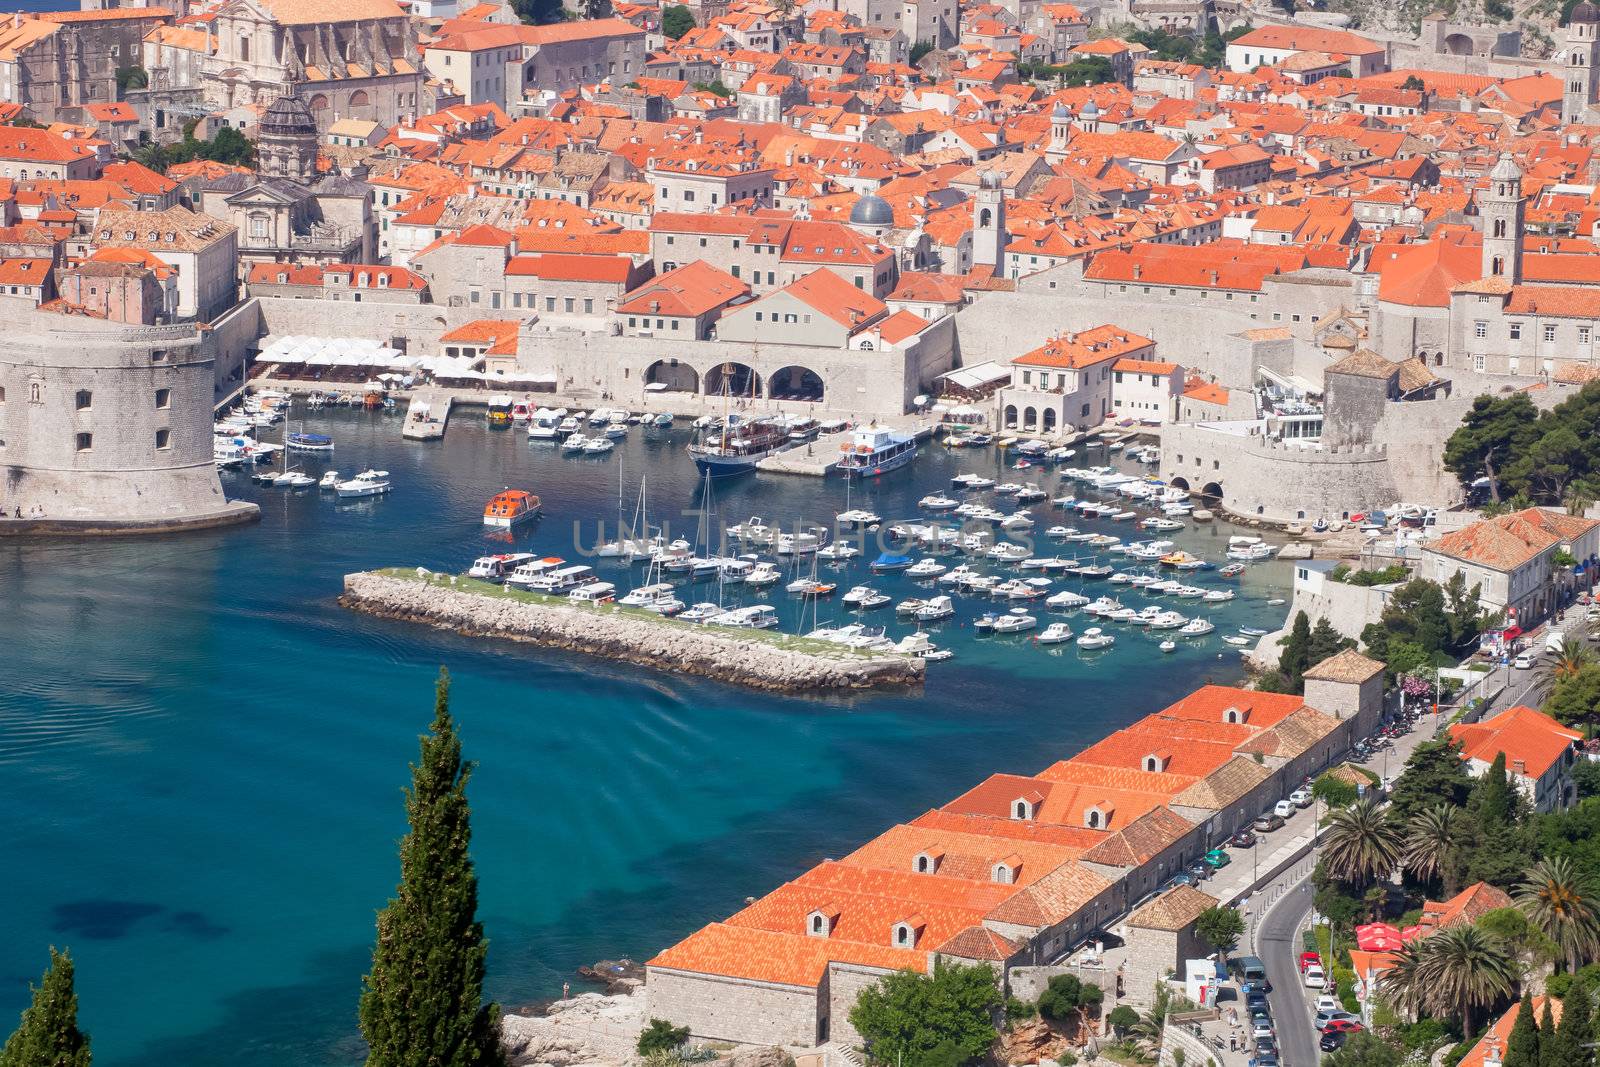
(544, 424)
(934, 609)
(309, 442)
(919, 645)
(521, 411)
(1196, 628)
(926, 568)
(737, 445)
(755, 617)
(659, 597)
(876, 450)
(496, 568)
(763, 574)
(367, 483)
(525, 573)
(500, 409)
(592, 593)
(509, 507)
(560, 579)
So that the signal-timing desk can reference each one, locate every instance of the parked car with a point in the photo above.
(1265, 1059)
(1307, 959)
(1524, 661)
(1325, 1017)
(1257, 1002)
(1343, 1026)
(1182, 878)
(1199, 871)
(1328, 1004)
(1243, 839)
(1268, 821)
(1301, 798)
(1261, 986)
(1314, 978)
(1266, 1044)
(1250, 970)
(1261, 1027)
(1283, 809)
(1218, 859)
(1333, 1041)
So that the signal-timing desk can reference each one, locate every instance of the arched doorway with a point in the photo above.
(732, 379)
(677, 377)
(1458, 44)
(1030, 418)
(1211, 491)
(795, 383)
(1009, 418)
(1181, 483)
(1048, 423)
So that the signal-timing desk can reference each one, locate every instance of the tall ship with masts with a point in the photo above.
(736, 443)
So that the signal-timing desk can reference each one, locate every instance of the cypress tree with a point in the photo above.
(1550, 1051)
(423, 1002)
(1522, 1047)
(1294, 660)
(49, 1034)
(1577, 1026)
(1494, 794)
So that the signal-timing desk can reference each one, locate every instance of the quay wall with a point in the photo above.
(756, 661)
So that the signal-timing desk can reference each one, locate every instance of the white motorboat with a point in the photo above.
(1008, 489)
(617, 431)
(1169, 645)
(1095, 638)
(938, 502)
(1030, 494)
(496, 568)
(596, 446)
(935, 608)
(1060, 533)
(1006, 552)
(574, 443)
(798, 544)
(910, 606)
(295, 480)
(1014, 621)
(1168, 620)
(755, 617)
(1066, 600)
(329, 481)
(1237, 642)
(1102, 606)
(659, 597)
(1055, 634)
(1217, 596)
(919, 645)
(1196, 628)
(857, 594)
(754, 529)
(926, 568)
(763, 573)
(972, 481)
(367, 483)
(702, 612)
(838, 550)
(1017, 520)
(858, 517)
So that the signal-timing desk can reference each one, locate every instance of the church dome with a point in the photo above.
(288, 116)
(1584, 12)
(1062, 111)
(1091, 110)
(872, 211)
(1506, 170)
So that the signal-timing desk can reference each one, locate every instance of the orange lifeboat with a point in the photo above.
(505, 509)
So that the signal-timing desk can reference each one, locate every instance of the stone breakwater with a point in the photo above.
(764, 661)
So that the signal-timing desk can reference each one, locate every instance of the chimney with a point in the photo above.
(1519, 766)
(1137, 271)
(1213, 277)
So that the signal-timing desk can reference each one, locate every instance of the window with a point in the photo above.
(1480, 329)
(1583, 339)
(549, 303)
(163, 439)
(163, 398)
(570, 304)
(588, 305)
(1516, 331)
(84, 400)
(1549, 331)
(1477, 362)
(85, 442)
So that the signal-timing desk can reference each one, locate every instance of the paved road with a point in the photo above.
(1278, 943)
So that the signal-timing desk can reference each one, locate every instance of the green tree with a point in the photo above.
(918, 51)
(904, 1017)
(1296, 655)
(1492, 801)
(1361, 844)
(1121, 1018)
(1522, 1047)
(1430, 845)
(1334, 791)
(1413, 613)
(1532, 951)
(1492, 433)
(1220, 928)
(1090, 70)
(1558, 898)
(1325, 642)
(1575, 697)
(48, 1035)
(1464, 610)
(661, 1036)
(1550, 1051)
(676, 21)
(1458, 971)
(1364, 1050)
(1577, 1025)
(1415, 84)
(423, 1002)
(132, 78)
(1434, 774)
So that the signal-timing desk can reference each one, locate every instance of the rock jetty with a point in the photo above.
(758, 659)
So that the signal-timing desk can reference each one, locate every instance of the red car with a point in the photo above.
(1307, 959)
(1342, 1026)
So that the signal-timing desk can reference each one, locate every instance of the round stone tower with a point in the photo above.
(286, 141)
(106, 428)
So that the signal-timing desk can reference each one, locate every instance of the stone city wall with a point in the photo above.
(1028, 983)
(730, 1009)
(1348, 608)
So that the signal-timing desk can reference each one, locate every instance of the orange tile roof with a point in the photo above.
(1531, 740)
(1504, 542)
(1144, 366)
(784, 959)
(1500, 1033)
(609, 270)
(687, 291)
(112, 14)
(1087, 348)
(825, 291)
(24, 271)
(1467, 906)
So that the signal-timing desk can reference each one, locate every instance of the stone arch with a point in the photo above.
(1211, 491)
(1458, 44)
(733, 379)
(359, 98)
(1048, 422)
(1008, 418)
(985, 218)
(795, 383)
(677, 377)
(1030, 418)
(1181, 483)
(318, 102)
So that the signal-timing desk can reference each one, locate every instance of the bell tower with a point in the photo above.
(1502, 210)
(989, 238)
(1580, 74)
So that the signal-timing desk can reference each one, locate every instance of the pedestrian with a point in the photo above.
(566, 990)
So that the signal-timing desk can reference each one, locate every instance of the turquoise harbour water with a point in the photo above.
(201, 754)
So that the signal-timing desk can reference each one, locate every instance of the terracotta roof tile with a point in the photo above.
(1173, 910)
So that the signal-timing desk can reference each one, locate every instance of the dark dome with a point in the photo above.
(1584, 12)
(872, 211)
(288, 116)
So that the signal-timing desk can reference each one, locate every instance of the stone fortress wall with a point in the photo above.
(106, 427)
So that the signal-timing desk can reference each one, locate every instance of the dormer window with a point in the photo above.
(820, 923)
(907, 932)
(1156, 762)
(1005, 872)
(1097, 816)
(1024, 808)
(1235, 715)
(927, 862)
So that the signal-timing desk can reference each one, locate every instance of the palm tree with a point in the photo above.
(1558, 899)
(1403, 985)
(1429, 845)
(1361, 844)
(1461, 969)
(1572, 657)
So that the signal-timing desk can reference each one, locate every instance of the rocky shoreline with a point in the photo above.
(757, 662)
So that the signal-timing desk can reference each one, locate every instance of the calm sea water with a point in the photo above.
(201, 754)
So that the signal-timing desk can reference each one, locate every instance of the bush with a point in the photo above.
(1019, 1009)
(1066, 997)
(1121, 1018)
(1344, 984)
(1067, 1059)
(661, 1036)
(1334, 792)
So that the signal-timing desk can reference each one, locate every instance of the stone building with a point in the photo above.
(118, 292)
(106, 427)
(355, 59)
(203, 249)
(55, 62)
(288, 212)
(1160, 936)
